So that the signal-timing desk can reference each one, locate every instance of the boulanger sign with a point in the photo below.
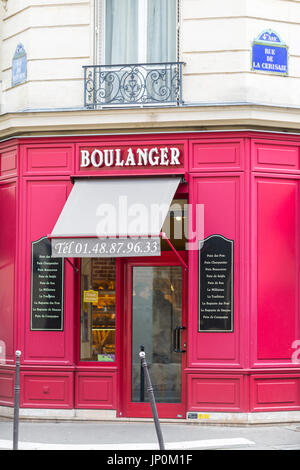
(134, 157)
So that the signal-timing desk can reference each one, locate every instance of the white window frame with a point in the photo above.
(99, 31)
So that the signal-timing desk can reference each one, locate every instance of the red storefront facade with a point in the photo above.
(247, 184)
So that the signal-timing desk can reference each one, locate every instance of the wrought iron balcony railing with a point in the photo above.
(133, 84)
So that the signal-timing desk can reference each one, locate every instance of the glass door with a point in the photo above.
(156, 323)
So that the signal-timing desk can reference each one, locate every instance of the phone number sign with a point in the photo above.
(105, 248)
(269, 54)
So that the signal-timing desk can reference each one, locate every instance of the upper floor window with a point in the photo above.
(140, 31)
(136, 57)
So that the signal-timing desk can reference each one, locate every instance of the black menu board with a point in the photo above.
(216, 284)
(47, 287)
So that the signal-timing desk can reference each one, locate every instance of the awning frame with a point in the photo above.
(163, 235)
(81, 201)
(83, 192)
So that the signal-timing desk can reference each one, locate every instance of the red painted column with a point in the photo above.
(219, 183)
(8, 275)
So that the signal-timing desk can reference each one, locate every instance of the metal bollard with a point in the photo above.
(152, 400)
(142, 380)
(17, 402)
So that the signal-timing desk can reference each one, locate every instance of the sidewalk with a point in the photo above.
(124, 436)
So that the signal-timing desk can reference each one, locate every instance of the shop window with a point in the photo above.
(98, 309)
(176, 225)
(98, 291)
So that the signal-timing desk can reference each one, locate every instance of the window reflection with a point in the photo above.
(156, 313)
(176, 225)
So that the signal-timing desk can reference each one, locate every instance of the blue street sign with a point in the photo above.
(19, 66)
(270, 54)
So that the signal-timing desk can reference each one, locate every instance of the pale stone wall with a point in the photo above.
(2, 12)
(216, 40)
(57, 38)
(215, 44)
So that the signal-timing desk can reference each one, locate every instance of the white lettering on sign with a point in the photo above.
(269, 66)
(154, 156)
(269, 51)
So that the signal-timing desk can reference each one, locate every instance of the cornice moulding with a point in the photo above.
(186, 117)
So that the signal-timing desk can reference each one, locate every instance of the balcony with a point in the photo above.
(133, 85)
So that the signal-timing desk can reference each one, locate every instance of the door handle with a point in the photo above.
(175, 332)
(177, 339)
